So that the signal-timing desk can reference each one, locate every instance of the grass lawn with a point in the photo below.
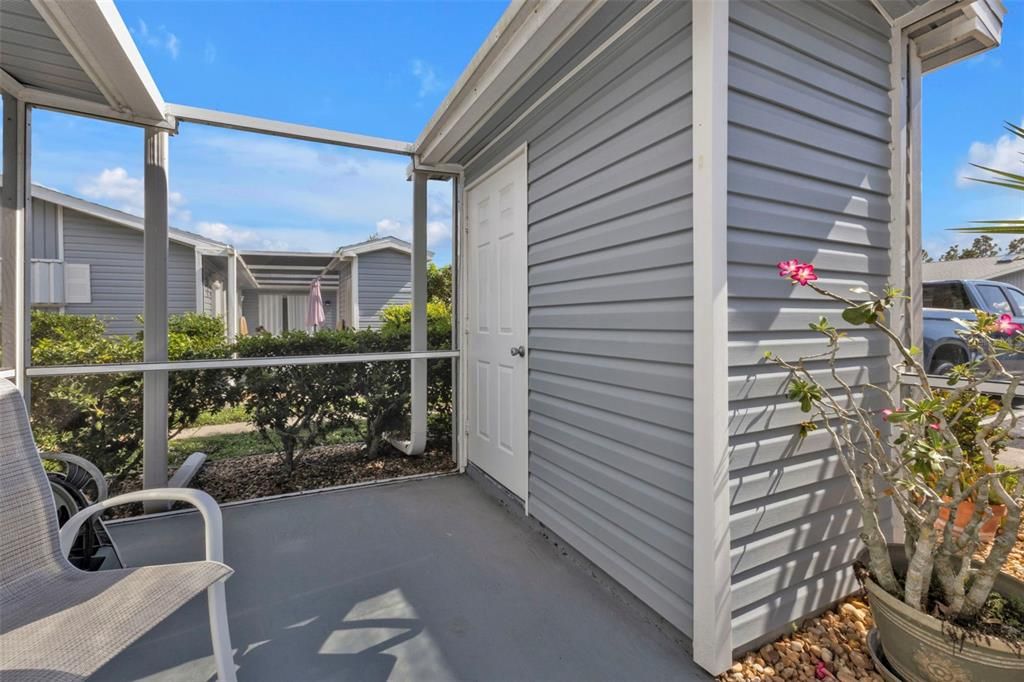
(228, 445)
(229, 415)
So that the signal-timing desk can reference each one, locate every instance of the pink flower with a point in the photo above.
(935, 427)
(1006, 325)
(886, 412)
(788, 268)
(804, 274)
(799, 273)
(821, 672)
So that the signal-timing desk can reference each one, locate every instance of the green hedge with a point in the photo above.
(293, 407)
(99, 416)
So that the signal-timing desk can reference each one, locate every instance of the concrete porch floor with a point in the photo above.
(422, 580)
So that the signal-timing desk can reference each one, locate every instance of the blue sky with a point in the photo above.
(377, 68)
(381, 68)
(963, 110)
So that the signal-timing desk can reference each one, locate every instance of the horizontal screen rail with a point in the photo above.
(233, 363)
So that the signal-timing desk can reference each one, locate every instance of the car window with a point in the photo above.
(1017, 298)
(995, 299)
(949, 295)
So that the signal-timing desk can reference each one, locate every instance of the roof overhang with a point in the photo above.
(961, 30)
(526, 35)
(288, 269)
(77, 56)
(203, 245)
(531, 31)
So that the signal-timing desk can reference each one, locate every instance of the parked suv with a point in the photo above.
(954, 298)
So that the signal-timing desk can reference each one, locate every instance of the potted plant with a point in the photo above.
(940, 614)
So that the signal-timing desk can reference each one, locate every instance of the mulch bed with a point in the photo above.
(253, 476)
(832, 646)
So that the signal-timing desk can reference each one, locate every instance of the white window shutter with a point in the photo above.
(77, 283)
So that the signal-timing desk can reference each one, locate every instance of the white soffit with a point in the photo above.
(525, 37)
(962, 31)
(76, 56)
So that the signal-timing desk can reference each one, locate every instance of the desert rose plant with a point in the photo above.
(921, 446)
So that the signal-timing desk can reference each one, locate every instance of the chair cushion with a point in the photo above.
(66, 626)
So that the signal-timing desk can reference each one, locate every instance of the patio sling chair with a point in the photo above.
(58, 623)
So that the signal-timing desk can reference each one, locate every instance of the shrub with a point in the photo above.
(295, 406)
(397, 320)
(99, 416)
(439, 283)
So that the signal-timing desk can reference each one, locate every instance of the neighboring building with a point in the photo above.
(1009, 269)
(357, 282)
(87, 259)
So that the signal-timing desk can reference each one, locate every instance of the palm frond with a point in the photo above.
(1006, 174)
(1001, 178)
(995, 227)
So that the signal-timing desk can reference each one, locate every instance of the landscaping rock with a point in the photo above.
(834, 643)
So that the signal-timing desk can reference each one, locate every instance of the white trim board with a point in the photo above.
(712, 569)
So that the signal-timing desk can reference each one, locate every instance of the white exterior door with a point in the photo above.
(496, 339)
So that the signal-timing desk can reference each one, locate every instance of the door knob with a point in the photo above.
(518, 350)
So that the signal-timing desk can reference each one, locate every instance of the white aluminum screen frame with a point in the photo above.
(156, 364)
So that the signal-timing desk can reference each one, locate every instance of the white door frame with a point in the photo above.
(463, 306)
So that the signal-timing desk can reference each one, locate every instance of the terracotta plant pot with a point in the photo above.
(918, 650)
(964, 512)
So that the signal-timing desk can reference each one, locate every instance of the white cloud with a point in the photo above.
(240, 237)
(159, 38)
(209, 53)
(264, 193)
(1006, 154)
(424, 73)
(438, 231)
(114, 187)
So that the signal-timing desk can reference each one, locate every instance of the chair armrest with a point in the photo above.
(206, 505)
(81, 462)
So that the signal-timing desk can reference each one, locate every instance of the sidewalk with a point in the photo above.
(215, 430)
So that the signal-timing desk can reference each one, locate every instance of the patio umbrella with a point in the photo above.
(315, 306)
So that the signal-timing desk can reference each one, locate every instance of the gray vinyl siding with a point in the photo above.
(1013, 278)
(45, 230)
(344, 293)
(808, 179)
(114, 253)
(610, 310)
(385, 278)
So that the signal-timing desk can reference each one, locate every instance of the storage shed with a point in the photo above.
(632, 173)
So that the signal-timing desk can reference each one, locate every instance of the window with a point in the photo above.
(949, 295)
(1018, 299)
(994, 299)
